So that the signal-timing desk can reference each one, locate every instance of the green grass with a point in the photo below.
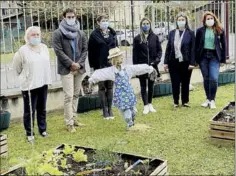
(177, 135)
(8, 58)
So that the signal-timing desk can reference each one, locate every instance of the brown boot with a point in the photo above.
(78, 124)
(71, 128)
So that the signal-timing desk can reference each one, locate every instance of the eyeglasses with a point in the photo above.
(69, 17)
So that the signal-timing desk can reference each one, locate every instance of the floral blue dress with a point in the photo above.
(124, 97)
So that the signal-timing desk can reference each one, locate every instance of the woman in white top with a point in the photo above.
(32, 65)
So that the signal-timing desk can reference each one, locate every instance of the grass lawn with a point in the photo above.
(177, 135)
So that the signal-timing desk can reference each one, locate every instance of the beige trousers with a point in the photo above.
(71, 84)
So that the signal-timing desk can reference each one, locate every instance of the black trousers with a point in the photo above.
(105, 93)
(38, 100)
(144, 83)
(180, 75)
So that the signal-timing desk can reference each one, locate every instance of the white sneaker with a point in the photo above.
(151, 109)
(212, 104)
(30, 139)
(206, 104)
(111, 118)
(146, 109)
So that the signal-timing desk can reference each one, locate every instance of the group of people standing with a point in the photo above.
(183, 52)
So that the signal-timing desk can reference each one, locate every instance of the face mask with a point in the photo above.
(104, 25)
(145, 28)
(181, 24)
(70, 22)
(35, 41)
(210, 22)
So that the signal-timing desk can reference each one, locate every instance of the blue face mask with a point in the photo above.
(181, 24)
(104, 25)
(35, 41)
(145, 28)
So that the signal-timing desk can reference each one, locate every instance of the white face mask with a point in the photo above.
(70, 22)
(210, 22)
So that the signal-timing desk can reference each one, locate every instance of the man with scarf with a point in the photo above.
(70, 46)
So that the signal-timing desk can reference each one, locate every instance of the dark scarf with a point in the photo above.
(70, 32)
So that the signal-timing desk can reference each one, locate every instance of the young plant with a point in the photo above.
(105, 155)
(79, 156)
(68, 149)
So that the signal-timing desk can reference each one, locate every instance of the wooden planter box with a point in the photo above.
(226, 77)
(221, 130)
(3, 145)
(5, 117)
(162, 88)
(88, 102)
(155, 167)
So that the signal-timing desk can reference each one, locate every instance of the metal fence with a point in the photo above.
(17, 16)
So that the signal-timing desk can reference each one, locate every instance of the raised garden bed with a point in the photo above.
(226, 77)
(222, 125)
(3, 145)
(162, 88)
(76, 160)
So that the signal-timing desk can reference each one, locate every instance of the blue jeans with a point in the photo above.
(210, 67)
(129, 116)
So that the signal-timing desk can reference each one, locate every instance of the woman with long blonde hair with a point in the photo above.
(210, 52)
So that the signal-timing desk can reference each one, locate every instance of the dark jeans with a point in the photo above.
(180, 75)
(146, 96)
(105, 93)
(210, 67)
(38, 100)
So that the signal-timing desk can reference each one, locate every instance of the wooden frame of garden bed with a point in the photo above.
(3, 145)
(222, 131)
(161, 169)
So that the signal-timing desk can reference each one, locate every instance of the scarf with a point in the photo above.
(70, 32)
(177, 45)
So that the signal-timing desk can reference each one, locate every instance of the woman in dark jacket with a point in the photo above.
(180, 59)
(101, 40)
(210, 52)
(146, 50)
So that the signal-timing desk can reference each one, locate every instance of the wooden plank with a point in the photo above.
(3, 149)
(159, 169)
(223, 123)
(224, 128)
(221, 142)
(163, 172)
(3, 137)
(222, 134)
(3, 142)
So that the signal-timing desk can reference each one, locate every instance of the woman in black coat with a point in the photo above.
(210, 52)
(101, 40)
(146, 50)
(180, 59)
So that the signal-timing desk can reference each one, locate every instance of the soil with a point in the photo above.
(117, 168)
(227, 115)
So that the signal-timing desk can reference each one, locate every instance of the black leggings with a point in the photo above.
(106, 95)
(146, 96)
